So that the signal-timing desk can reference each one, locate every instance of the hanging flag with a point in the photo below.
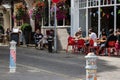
(90, 13)
(97, 12)
(112, 13)
(100, 10)
(118, 11)
(107, 16)
(103, 14)
(94, 14)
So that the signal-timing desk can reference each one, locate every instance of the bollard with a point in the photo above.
(12, 64)
(91, 67)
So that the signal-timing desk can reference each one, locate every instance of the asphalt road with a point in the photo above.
(35, 64)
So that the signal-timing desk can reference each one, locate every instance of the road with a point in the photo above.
(35, 64)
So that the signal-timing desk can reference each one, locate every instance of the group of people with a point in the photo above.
(43, 40)
(103, 39)
(111, 37)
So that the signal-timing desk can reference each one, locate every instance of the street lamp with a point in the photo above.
(49, 1)
(12, 10)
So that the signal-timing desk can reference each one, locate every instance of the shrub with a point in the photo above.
(26, 27)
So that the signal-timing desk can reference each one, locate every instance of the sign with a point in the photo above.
(55, 1)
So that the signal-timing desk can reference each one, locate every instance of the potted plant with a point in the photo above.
(38, 10)
(26, 29)
(20, 11)
(62, 10)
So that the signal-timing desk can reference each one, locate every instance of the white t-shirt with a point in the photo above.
(93, 36)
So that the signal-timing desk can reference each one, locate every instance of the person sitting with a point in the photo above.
(78, 34)
(111, 37)
(117, 44)
(102, 40)
(92, 35)
(91, 40)
(38, 39)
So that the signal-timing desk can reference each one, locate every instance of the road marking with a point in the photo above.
(34, 69)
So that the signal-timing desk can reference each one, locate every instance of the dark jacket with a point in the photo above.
(38, 37)
(111, 37)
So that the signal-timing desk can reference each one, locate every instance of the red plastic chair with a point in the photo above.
(71, 42)
(111, 46)
(92, 47)
(117, 46)
(81, 44)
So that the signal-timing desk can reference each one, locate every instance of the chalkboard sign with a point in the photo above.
(15, 37)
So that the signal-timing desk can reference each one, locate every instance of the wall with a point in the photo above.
(62, 35)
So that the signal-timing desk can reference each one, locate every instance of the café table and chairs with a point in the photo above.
(76, 44)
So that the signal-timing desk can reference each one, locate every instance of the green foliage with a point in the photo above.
(26, 27)
(1, 27)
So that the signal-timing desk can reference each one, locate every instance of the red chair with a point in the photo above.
(111, 46)
(91, 46)
(81, 44)
(71, 42)
(117, 46)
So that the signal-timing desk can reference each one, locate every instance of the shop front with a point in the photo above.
(96, 14)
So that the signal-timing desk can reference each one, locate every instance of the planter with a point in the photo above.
(27, 29)
(27, 37)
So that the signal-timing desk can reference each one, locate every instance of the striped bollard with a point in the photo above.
(12, 64)
(91, 66)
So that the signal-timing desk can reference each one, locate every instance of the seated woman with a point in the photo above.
(78, 34)
(38, 39)
(102, 40)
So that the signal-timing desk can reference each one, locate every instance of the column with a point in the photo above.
(74, 16)
(99, 18)
(87, 18)
(115, 15)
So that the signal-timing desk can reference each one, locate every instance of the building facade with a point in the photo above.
(47, 23)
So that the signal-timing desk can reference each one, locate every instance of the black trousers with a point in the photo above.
(50, 46)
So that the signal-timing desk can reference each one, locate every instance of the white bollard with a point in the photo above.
(91, 67)
(12, 64)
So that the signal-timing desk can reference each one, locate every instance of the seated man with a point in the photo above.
(38, 38)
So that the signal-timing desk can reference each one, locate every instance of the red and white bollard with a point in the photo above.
(91, 67)
(12, 64)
